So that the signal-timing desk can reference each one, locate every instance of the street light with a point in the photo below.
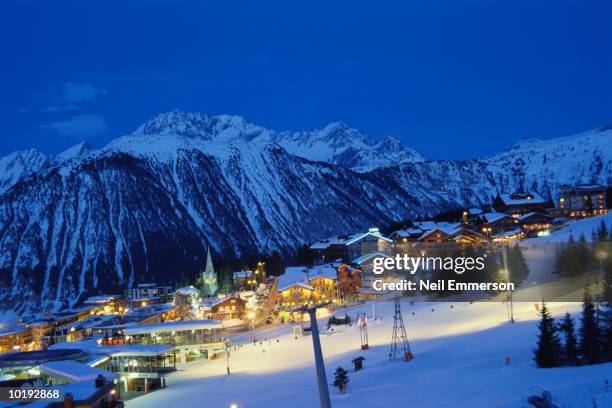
(251, 316)
(506, 272)
(487, 231)
(260, 266)
(601, 255)
(227, 356)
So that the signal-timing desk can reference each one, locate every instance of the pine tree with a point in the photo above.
(547, 353)
(341, 379)
(303, 256)
(274, 264)
(582, 252)
(518, 268)
(602, 232)
(570, 346)
(589, 331)
(606, 295)
(571, 262)
(606, 312)
(226, 279)
(560, 264)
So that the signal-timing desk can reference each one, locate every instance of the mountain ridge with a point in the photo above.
(145, 206)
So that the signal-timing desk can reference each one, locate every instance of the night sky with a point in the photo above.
(452, 79)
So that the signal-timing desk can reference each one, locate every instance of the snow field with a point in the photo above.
(459, 361)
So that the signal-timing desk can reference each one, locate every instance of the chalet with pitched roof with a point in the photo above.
(517, 204)
(495, 223)
(347, 247)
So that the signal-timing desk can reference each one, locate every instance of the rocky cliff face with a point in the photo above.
(145, 207)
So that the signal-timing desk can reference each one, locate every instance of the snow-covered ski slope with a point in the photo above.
(577, 227)
(459, 362)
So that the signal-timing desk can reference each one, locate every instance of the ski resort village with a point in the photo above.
(319, 204)
(314, 331)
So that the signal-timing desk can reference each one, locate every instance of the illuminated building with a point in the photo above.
(517, 204)
(350, 246)
(583, 200)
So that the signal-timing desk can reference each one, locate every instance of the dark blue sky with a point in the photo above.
(452, 79)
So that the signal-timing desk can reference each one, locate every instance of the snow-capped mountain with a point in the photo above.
(18, 165)
(78, 150)
(145, 207)
(335, 144)
(339, 144)
(21, 164)
(536, 165)
(539, 164)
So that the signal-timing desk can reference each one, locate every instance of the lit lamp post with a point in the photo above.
(251, 316)
(506, 271)
(601, 255)
(261, 269)
(487, 232)
(227, 356)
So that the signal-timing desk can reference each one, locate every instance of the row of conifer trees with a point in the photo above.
(559, 343)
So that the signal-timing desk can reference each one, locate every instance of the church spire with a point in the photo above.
(209, 277)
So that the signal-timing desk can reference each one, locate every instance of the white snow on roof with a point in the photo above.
(302, 275)
(188, 291)
(152, 310)
(525, 216)
(508, 234)
(492, 217)
(448, 228)
(405, 233)
(535, 199)
(12, 330)
(242, 274)
(347, 239)
(300, 284)
(183, 325)
(92, 347)
(89, 322)
(73, 371)
(326, 270)
(356, 237)
(101, 299)
(214, 301)
(292, 276)
(431, 231)
(140, 350)
(400, 233)
(321, 244)
(425, 225)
